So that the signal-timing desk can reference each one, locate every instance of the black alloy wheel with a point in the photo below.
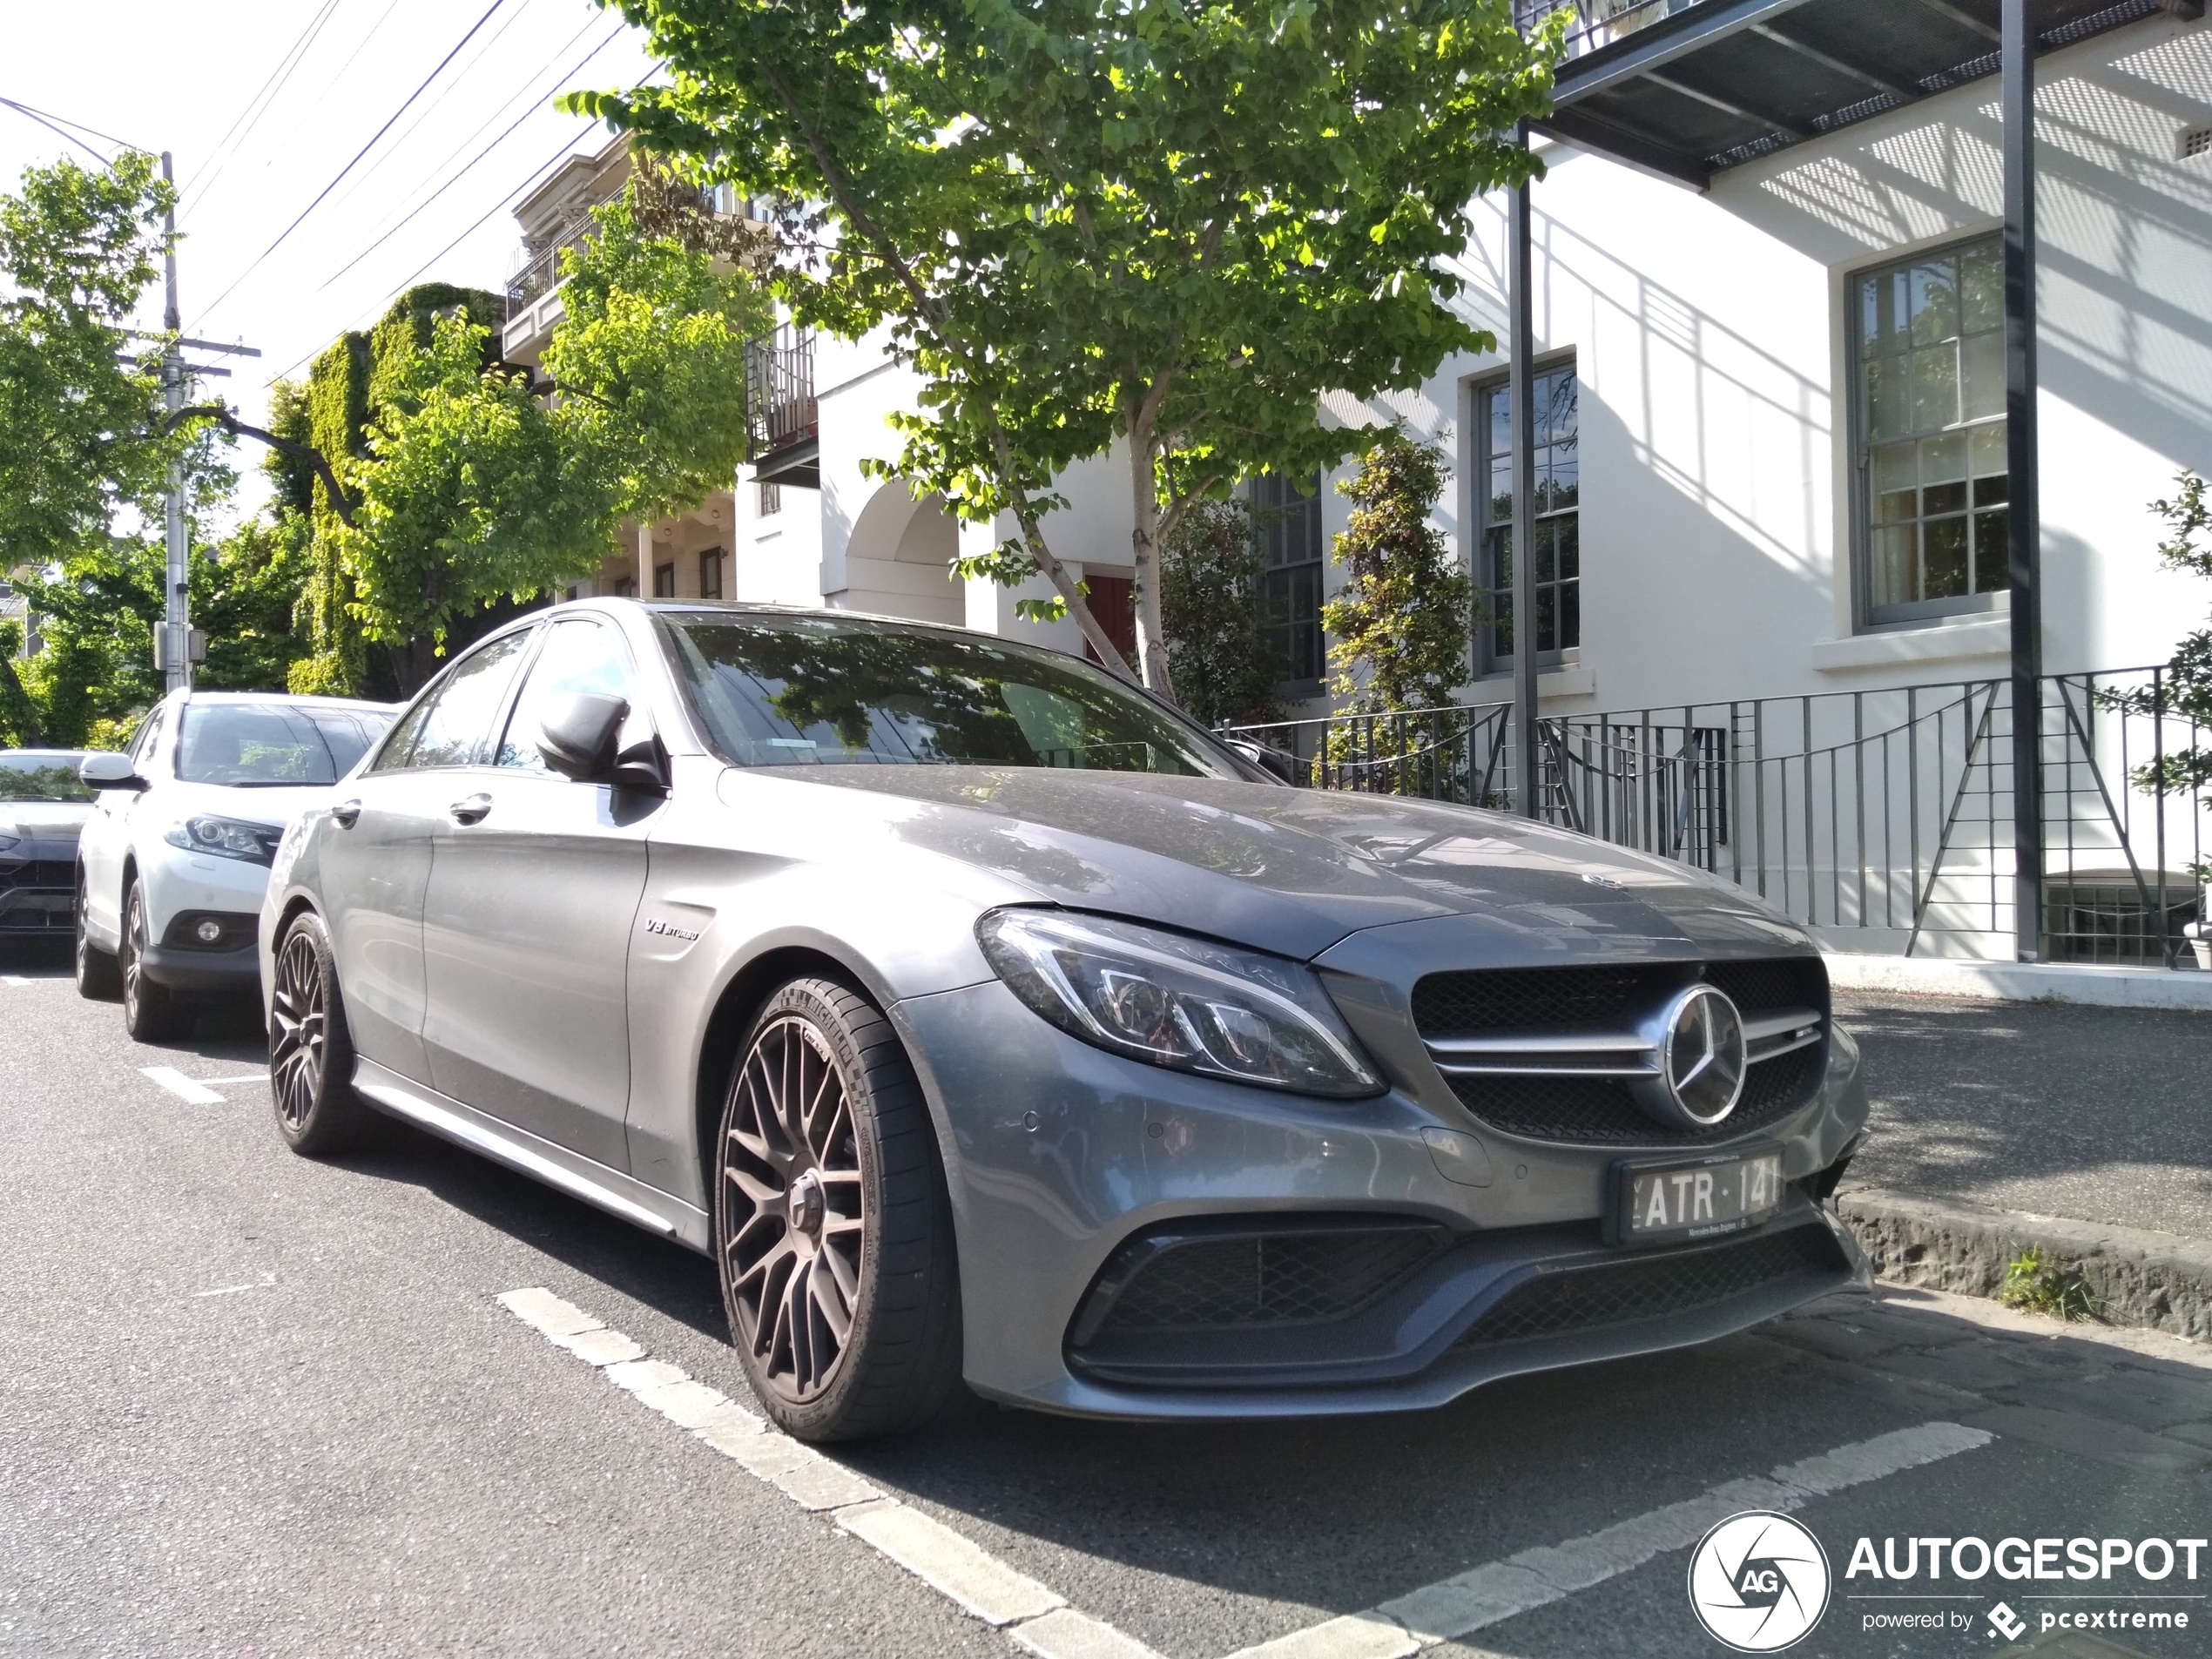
(847, 1323)
(150, 1013)
(98, 978)
(311, 1051)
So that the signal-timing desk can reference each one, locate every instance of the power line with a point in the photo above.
(58, 124)
(385, 236)
(363, 151)
(258, 105)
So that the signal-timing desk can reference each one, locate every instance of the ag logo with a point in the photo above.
(1758, 1581)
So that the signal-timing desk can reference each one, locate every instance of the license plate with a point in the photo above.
(1664, 1203)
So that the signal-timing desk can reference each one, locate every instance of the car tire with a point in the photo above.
(150, 1013)
(99, 978)
(311, 1048)
(834, 1236)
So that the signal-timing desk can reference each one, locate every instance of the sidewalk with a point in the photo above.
(1998, 1125)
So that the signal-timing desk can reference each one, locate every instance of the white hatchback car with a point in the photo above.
(170, 868)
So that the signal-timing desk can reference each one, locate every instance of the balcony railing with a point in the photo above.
(1598, 23)
(780, 410)
(1882, 819)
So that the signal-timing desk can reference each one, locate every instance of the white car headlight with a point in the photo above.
(225, 838)
(1179, 1001)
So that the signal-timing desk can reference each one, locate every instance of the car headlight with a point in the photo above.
(1178, 1001)
(226, 838)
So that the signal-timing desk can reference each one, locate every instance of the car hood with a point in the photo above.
(1295, 870)
(276, 805)
(43, 820)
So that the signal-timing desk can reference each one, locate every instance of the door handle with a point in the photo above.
(346, 812)
(471, 809)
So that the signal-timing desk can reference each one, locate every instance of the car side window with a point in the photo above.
(580, 655)
(460, 724)
(147, 742)
(398, 747)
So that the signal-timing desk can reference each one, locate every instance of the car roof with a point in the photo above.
(289, 700)
(5, 753)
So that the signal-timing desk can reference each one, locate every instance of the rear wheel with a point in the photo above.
(833, 1231)
(311, 1051)
(150, 1013)
(98, 978)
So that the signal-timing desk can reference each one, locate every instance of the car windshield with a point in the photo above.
(810, 691)
(274, 745)
(51, 775)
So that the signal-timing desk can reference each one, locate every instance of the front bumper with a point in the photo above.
(1058, 1153)
(39, 888)
(180, 887)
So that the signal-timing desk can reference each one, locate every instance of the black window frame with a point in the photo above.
(1287, 521)
(1487, 534)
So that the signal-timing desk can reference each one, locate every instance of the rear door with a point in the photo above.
(375, 870)
(534, 891)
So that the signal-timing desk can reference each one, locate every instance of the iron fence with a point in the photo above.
(780, 410)
(1882, 819)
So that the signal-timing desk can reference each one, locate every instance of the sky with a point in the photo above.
(263, 104)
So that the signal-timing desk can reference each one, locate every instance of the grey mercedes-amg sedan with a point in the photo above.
(995, 1029)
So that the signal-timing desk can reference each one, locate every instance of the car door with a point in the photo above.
(106, 840)
(534, 891)
(373, 853)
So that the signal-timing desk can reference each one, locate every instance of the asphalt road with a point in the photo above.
(2095, 1114)
(258, 1405)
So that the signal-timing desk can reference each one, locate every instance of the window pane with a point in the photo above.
(1987, 448)
(1888, 406)
(1544, 572)
(1570, 615)
(1943, 459)
(1501, 609)
(1568, 542)
(1499, 401)
(1991, 554)
(1497, 556)
(1981, 285)
(1547, 619)
(1894, 558)
(1981, 365)
(578, 656)
(458, 731)
(1935, 302)
(1943, 553)
(1935, 387)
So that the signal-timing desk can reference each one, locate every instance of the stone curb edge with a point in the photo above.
(2161, 1281)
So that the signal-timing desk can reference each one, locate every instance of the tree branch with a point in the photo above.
(307, 452)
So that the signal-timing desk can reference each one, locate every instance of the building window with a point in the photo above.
(665, 581)
(770, 501)
(1557, 424)
(711, 574)
(625, 587)
(1928, 339)
(1286, 518)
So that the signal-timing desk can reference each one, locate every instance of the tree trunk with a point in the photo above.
(1145, 555)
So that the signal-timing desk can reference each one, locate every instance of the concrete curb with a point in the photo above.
(2092, 987)
(2162, 1281)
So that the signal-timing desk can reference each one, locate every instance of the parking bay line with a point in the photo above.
(957, 1568)
(196, 1090)
(1499, 1590)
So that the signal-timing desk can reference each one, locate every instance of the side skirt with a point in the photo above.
(580, 1177)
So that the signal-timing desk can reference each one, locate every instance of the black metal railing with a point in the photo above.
(1598, 23)
(780, 410)
(1882, 819)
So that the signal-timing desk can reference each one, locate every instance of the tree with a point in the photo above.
(77, 444)
(1399, 627)
(477, 480)
(1225, 667)
(2187, 692)
(1159, 224)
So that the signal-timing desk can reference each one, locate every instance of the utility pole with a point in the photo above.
(173, 651)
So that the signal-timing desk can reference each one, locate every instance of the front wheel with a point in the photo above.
(311, 1049)
(150, 1013)
(832, 1230)
(98, 978)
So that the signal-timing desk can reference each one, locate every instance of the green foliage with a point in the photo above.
(474, 485)
(1225, 667)
(1398, 628)
(78, 248)
(2186, 694)
(2034, 1284)
(1169, 224)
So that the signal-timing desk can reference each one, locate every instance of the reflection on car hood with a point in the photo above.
(1294, 870)
(275, 805)
(43, 820)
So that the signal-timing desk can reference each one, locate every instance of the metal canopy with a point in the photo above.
(1686, 88)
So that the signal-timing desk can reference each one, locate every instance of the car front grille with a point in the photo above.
(37, 872)
(1553, 1098)
(1256, 1279)
(1621, 1293)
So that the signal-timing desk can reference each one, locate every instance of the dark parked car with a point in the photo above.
(43, 809)
(989, 1023)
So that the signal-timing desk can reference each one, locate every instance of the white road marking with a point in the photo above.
(13, 978)
(1037, 1618)
(181, 1086)
(1499, 1590)
(267, 1280)
(218, 1082)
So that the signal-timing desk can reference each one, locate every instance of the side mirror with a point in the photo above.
(577, 735)
(1276, 765)
(105, 771)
